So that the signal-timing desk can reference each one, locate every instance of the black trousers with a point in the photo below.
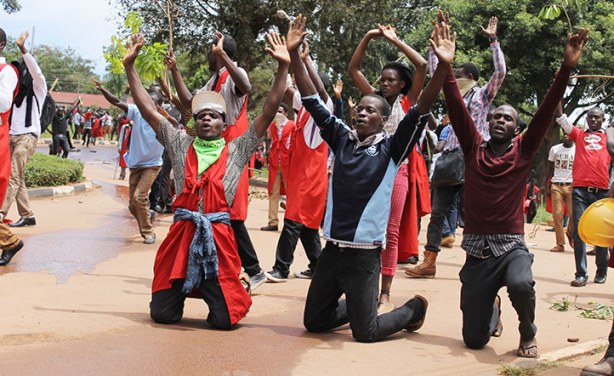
(166, 306)
(290, 234)
(60, 141)
(247, 253)
(159, 194)
(355, 273)
(481, 280)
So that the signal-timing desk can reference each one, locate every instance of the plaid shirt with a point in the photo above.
(481, 98)
(485, 245)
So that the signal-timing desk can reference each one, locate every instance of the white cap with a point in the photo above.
(208, 100)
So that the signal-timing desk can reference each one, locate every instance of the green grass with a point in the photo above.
(43, 170)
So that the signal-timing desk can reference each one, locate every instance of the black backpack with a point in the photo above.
(47, 110)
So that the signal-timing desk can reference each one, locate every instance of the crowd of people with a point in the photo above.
(364, 178)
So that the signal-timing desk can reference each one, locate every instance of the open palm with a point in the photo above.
(575, 46)
(296, 33)
(443, 46)
(278, 48)
(132, 48)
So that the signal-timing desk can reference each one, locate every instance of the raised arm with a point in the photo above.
(296, 35)
(115, 101)
(489, 91)
(279, 52)
(443, 45)
(184, 94)
(241, 80)
(141, 97)
(313, 73)
(354, 68)
(416, 59)
(541, 120)
(38, 79)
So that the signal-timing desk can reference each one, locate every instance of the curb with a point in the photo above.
(565, 353)
(258, 182)
(63, 190)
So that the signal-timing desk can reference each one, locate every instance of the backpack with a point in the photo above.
(47, 110)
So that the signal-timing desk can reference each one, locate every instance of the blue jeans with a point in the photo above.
(442, 200)
(449, 222)
(582, 198)
(355, 273)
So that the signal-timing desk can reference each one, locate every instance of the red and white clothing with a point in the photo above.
(592, 160)
(8, 90)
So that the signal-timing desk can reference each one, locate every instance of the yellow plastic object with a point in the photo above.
(596, 225)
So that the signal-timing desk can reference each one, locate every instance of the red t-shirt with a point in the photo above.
(592, 161)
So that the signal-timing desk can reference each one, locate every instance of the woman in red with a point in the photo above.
(199, 258)
(410, 196)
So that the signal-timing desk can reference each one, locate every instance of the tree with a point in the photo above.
(10, 6)
(71, 70)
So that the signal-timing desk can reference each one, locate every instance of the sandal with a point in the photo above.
(527, 349)
(499, 328)
(384, 307)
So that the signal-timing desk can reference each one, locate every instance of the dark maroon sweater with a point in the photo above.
(495, 185)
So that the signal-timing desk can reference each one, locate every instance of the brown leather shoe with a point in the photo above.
(558, 248)
(412, 327)
(425, 270)
(604, 367)
(269, 228)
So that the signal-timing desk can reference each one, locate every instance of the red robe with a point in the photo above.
(278, 147)
(418, 202)
(5, 153)
(307, 179)
(124, 146)
(238, 211)
(172, 257)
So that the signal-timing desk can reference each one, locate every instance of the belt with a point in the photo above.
(595, 189)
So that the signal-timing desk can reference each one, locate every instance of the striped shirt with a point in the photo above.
(486, 245)
(478, 100)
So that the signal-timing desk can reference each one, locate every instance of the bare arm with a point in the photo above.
(313, 73)
(184, 94)
(115, 101)
(279, 52)
(354, 68)
(443, 46)
(141, 97)
(416, 59)
(296, 35)
(241, 80)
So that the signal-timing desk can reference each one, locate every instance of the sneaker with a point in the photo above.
(305, 274)
(275, 276)
(258, 279)
(150, 239)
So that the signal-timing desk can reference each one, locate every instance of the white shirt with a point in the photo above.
(18, 120)
(8, 81)
(234, 103)
(311, 133)
(563, 163)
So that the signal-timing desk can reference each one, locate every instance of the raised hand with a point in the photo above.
(132, 49)
(575, 46)
(169, 59)
(442, 17)
(491, 30)
(278, 48)
(338, 88)
(443, 46)
(218, 48)
(22, 39)
(388, 31)
(305, 51)
(296, 33)
(97, 83)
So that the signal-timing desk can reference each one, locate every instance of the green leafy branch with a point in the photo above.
(149, 63)
(553, 11)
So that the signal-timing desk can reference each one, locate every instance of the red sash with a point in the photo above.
(278, 147)
(307, 179)
(238, 211)
(418, 202)
(172, 257)
(5, 153)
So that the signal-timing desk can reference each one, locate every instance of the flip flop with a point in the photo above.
(524, 352)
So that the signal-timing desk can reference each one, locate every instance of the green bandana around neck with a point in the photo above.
(207, 152)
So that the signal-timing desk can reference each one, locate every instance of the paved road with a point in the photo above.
(77, 297)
